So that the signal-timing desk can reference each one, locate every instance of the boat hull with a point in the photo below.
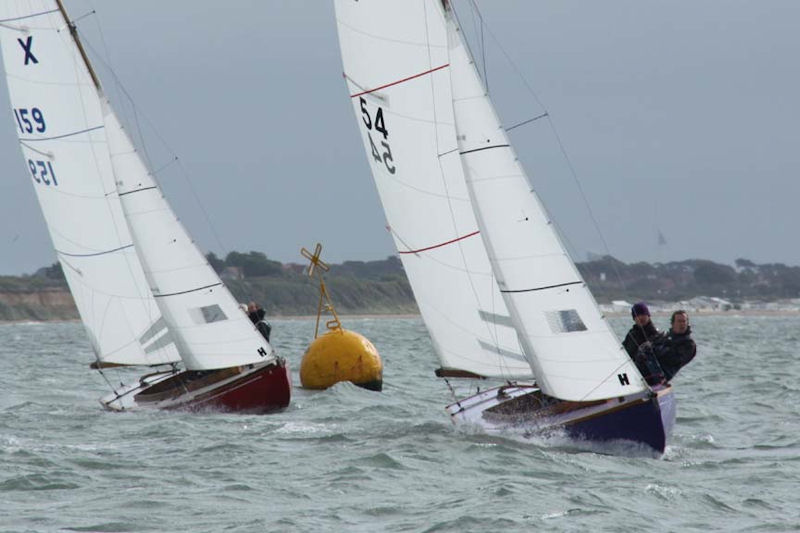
(644, 419)
(647, 422)
(251, 389)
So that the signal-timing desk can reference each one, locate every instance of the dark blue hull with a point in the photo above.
(649, 422)
(643, 419)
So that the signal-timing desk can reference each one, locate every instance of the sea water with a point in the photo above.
(348, 459)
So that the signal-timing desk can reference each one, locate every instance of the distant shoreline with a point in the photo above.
(275, 317)
(610, 314)
(702, 312)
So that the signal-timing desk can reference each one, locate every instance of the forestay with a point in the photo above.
(570, 346)
(395, 57)
(60, 127)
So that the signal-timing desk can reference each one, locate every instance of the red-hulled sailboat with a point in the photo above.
(145, 293)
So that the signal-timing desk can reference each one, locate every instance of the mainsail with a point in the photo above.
(60, 128)
(399, 85)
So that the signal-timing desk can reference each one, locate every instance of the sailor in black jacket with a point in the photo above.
(675, 349)
(642, 330)
(257, 317)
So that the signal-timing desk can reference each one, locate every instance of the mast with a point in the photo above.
(73, 30)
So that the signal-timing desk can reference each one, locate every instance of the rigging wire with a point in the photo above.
(553, 128)
(524, 122)
(137, 113)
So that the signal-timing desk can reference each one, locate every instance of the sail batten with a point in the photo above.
(534, 289)
(187, 291)
(482, 148)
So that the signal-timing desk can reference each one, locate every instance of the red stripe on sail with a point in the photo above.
(439, 245)
(400, 81)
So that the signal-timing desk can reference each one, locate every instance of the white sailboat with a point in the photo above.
(145, 293)
(496, 288)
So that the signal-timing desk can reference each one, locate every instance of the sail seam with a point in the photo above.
(544, 288)
(59, 252)
(186, 292)
(484, 148)
(400, 81)
(439, 245)
(30, 16)
(138, 190)
(48, 155)
(62, 136)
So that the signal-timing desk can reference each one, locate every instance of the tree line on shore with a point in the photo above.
(611, 279)
(381, 287)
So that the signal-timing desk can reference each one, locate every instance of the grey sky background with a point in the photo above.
(680, 117)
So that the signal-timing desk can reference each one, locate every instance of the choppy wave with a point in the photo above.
(355, 460)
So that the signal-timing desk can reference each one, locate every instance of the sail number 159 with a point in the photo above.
(379, 125)
(24, 116)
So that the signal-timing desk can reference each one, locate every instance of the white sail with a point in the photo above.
(203, 317)
(569, 344)
(395, 57)
(60, 126)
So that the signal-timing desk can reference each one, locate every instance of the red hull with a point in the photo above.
(251, 389)
(269, 389)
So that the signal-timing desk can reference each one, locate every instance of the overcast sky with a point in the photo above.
(681, 117)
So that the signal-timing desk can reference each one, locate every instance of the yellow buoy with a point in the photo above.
(341, 355)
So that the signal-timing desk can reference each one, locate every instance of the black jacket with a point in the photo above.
(674, 351)
(637, 336)
(264, 327)
(257, 315)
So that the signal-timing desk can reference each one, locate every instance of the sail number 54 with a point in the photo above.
(379, 125)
